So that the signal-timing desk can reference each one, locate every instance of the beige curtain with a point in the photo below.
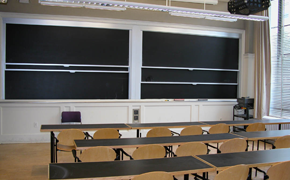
(262, 72)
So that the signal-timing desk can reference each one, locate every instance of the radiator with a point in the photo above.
(276, 127)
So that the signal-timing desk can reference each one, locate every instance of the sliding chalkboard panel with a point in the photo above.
(168, 75)
(62, 85)
(66, 45)
(171, 91)
(179, 50)
(189, 66)
(59, 62)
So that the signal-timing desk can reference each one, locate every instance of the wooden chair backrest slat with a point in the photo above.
(106, 133)
(191, 130)
(238, 172)
(279, 171)
(256, 127)
(149, 152)
(156, 175)
(233, 145)
(67, 137)
(159, 132)
(282, 142)
(219, 128)
(191, 149)
(98, 154)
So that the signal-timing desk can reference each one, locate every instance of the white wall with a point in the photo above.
(21, 121)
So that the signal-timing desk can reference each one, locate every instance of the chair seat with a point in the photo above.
(65, 148)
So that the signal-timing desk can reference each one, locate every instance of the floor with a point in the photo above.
(30, 161)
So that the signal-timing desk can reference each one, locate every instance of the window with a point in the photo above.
(280, 60)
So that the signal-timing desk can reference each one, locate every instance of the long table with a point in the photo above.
(250, 158)
(165, 141)
(175, 166)
(139, 126)
(128, 169)
(84, 127)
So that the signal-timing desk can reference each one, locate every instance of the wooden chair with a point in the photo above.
(192, 149)
(282, 142)
(219, 129)
(149, 152)
(65, 140)
(110, 133)
(256, 127)
(97, 154)
(238, 172)
(191, 130)
(106, 133)
(161, 132)
(279, 171)
(233, 145)
(155, 175)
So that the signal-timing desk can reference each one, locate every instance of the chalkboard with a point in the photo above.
(179, 50)
(86, 47)
(62, 85)
(66, 45)
(173, 91)
(216, 57)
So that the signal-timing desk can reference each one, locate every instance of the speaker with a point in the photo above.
(247, 7)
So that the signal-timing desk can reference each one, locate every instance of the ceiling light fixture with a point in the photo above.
(154, 7)
(213, 2)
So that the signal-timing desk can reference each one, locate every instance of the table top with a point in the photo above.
(165, 141)
(247, 122)
(87, 127)
(251, 158)
(164, 124)
(263, 134)
(127, 169)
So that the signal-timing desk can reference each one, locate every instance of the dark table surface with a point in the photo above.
(251, 158)
(264, 134)
(60, 127)
(167, 125)
(166, 141)
(247, 122)
(176, 166)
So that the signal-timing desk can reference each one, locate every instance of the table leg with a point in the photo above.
(52, 152)
(186, 176)
(137, 133)
(280, 125)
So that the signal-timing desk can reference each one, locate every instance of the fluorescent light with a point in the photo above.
(61, 4)
(105, 7)
(155, 7)
(214, 2)
(221, 19)
(186, 15)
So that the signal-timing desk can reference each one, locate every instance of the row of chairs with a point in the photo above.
(278, 171)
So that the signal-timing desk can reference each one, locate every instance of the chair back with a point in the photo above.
(106, 133)
(155, 175)
(191, 130)
(219, 128)
(191, 149)
(149, 152)
(256, 127)
(279, 171)
(71, 117)
(282, 142)
(238, 172)
(97, 154)
(159, 132)
(233, 145)
(67, 137)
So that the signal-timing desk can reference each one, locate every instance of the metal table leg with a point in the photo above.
(52, 151)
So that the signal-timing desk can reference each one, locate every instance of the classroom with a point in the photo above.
(128, 65)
